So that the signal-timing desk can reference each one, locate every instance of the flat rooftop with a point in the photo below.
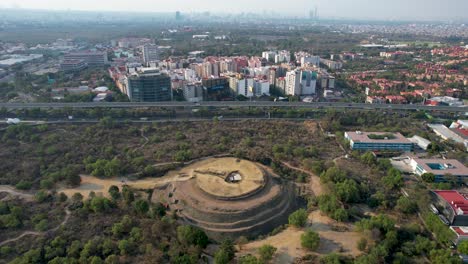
(460, 230)
(442, 166)
(446, 132)
(456, 200)
(363, 137)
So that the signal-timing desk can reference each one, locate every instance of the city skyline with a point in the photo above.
(359, 9)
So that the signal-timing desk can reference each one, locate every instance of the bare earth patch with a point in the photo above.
(288, 242)
(101, 186)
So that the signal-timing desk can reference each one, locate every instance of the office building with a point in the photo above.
(378, 141)
(149, 85)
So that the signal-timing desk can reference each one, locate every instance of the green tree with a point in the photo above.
(128, 195)
(114, 192)
(298, 218)
(23, 185)
(463, 247)
(248, 259)
(41, 196)
(42, 225)
(190, 235)
(141, 207)
(368, 158)
(221, 257)
(100, 204)
(126, 247)
(362, 244)
(406, 205)
(428, 177)
(266, 253)
(112, 259)
(347, 191)
(310, 240)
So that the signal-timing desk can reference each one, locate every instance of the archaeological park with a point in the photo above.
(229, 197)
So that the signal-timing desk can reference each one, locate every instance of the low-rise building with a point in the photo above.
(453, 209)
(73, 65)
(420, 142)
(378, 141)
(441, 168)
(92, 58)
(455, 134)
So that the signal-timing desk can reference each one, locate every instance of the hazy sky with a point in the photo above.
(385, 9)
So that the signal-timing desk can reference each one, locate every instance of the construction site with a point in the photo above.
(229, 197)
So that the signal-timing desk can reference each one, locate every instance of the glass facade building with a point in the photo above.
(149, 86)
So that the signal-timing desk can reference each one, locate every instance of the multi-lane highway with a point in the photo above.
(236, 104)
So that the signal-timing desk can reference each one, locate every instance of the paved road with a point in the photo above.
(235, 104)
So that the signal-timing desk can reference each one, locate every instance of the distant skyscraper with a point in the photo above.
(313, 14)
(178, 15)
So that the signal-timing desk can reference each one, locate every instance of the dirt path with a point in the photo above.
(34, 233)
(144, 144)
(315, 184)
(26, 233)
(288, 242)
(10, 190)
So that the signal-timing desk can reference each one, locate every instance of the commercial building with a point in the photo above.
(441, 168)
(216, 88)
(149, 85)
(73, 65)
(150, 53)
(92, 58)
(378, 141)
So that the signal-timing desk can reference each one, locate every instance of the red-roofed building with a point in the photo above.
(453, 208)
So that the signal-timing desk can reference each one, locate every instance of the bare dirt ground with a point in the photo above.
(101, 186)
(288, 242)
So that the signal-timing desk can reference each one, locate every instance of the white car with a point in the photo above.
(13, 121)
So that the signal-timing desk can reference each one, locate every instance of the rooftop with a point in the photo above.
(442, 166)
(456, 200)
(363, 137)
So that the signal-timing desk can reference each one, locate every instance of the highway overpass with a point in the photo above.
(12, 106)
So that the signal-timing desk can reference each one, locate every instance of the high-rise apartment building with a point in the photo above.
(150, 53)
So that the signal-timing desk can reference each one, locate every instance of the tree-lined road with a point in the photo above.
(235, 104)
